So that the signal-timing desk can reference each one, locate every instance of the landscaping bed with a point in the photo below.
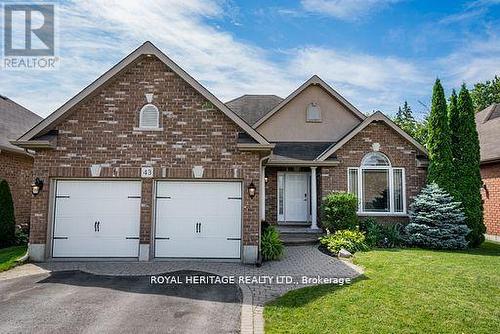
(402, 291)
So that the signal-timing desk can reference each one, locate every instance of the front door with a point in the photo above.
(295, 197)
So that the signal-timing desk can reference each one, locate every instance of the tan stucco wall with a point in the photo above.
(289, 123)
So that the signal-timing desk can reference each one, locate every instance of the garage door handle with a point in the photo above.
(161, 238)
(97, 226)
(61, 238)
(233, 238)
(234, 198)
(132, 238)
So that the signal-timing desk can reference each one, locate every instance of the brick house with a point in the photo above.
(15, 163)
(146, 163)
(488, 128)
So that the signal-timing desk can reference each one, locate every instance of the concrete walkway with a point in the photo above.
(301, 266)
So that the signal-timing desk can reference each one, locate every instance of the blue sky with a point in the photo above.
(376, 53)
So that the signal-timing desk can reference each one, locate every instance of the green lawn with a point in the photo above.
(402, 291)
(9, 255)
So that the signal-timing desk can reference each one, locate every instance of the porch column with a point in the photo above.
(314, 200)
(263, 194)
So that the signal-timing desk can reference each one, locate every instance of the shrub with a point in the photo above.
(22, 234)
(381, 235)
(436, 221)
(351, 240)
(373, 231)
(271, 244)
(7, 221)
(392, 236)
(339, 211)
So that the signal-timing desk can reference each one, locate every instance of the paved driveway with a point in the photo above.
(77, 302)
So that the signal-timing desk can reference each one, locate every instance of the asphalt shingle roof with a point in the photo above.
(299, 150)
(251, 108)
(488, 128)
(15, 120)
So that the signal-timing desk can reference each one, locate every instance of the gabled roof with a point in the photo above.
(314, 80)
(14, 121)
(488, 129)
(252, 107)
(377, 116)
(145, 49)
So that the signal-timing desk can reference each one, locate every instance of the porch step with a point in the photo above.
(299, 239)
(297, 235)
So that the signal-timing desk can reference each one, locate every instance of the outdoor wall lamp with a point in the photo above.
(36, 186)
(251, 190)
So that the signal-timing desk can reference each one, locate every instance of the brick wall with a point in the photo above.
(103, 130)
(16, 170)
(398, 150)
(491, 196)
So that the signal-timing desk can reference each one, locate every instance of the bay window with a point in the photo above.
(379, 187)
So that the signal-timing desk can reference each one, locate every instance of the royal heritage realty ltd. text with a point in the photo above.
(245, 279)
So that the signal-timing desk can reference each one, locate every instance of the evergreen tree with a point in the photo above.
(7, 222)
(468, 185)
(454, 121)
(438, 142)
(436, 221)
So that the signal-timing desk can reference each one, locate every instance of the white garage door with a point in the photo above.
(97, 219)
(198, 219)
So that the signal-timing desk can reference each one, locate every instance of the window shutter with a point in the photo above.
(149, 117)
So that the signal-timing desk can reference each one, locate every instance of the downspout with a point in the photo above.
(262, 199)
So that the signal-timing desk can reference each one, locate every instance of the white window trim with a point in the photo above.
(155, 127)
(390, 170)
(281, 217)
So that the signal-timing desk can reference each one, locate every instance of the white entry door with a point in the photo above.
(96, 219)
(296, 197)
(198, 219)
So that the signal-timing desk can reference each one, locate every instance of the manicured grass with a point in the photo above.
(402, 291)
(9, 255)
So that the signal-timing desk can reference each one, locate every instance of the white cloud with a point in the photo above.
(474, 62)
(345, 9)
(95, 35)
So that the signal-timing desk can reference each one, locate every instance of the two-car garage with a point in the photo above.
(192, 219)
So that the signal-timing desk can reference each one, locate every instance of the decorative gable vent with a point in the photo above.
(313, 112)
(149, 117)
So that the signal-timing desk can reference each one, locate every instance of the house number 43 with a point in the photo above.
(147, 172)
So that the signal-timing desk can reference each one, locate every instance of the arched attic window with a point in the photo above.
(149, 117)
(379, 187)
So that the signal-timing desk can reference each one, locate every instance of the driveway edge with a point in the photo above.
(252, 320)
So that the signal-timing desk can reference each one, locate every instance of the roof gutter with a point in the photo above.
(302, 163)
(255, 147)
(31, 144)
(489, 161)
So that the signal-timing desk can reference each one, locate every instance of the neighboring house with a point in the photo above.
(488, 128)
(146, 163)
(15, 163)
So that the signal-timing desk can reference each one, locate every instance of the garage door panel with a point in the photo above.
(80, 204)
(219, 248)
(95, 247)
(215, 206)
